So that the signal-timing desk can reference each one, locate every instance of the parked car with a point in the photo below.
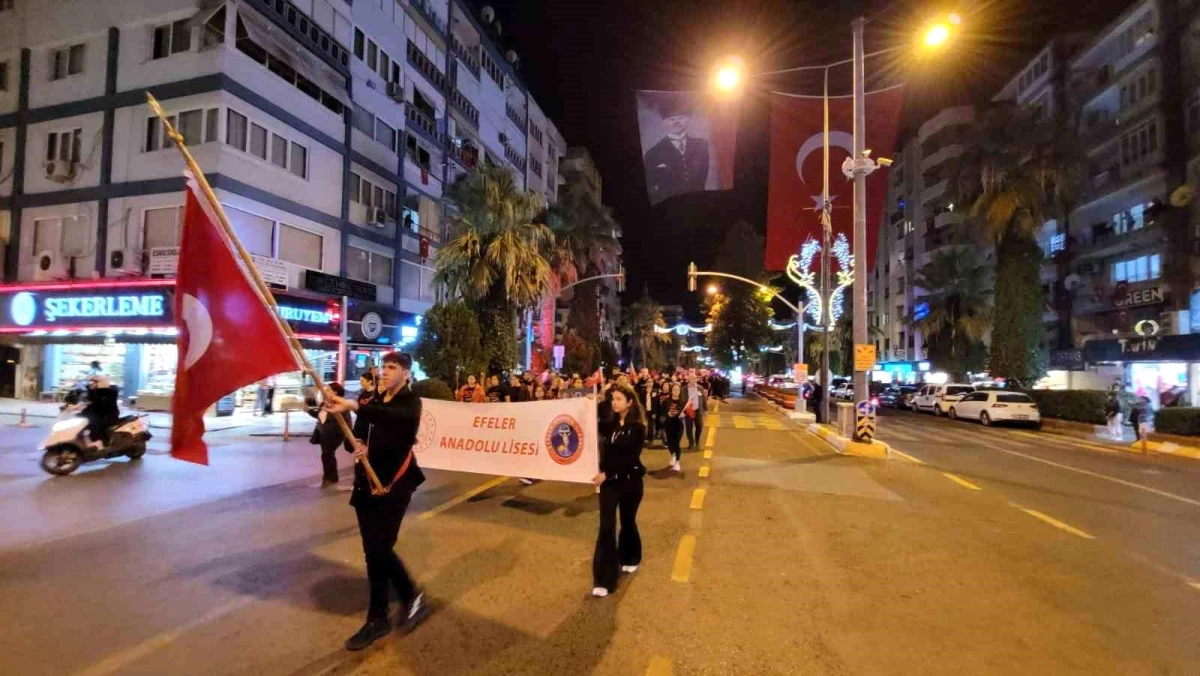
(936, 399)
(844, 392)
(896, 396)
(993, 406)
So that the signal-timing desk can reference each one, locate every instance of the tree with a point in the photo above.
(450, 342)
(638, 324)
(740, 320)
(1014, 171)
(585, 244)
(579, 356)
(953, 310)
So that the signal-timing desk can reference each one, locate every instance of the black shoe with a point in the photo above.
(372, 631)
(415, 612)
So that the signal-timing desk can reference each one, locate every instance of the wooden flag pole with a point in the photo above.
(261, 287)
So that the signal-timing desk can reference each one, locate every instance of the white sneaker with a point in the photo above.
(527, 482)
(415, 606)
(599, 592)
(675, 466)
(628, 569)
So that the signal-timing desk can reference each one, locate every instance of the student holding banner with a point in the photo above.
(620, 482)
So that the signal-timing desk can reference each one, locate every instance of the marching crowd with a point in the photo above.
(636, 409)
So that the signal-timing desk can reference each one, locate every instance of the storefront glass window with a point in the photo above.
(1153, 380)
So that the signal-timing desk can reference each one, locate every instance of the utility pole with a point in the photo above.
(861, 167)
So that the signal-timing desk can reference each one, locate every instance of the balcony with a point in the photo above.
(465, 153)
(515, 115)
(947, 218)
(468, 55)
(514, 158)
(464, 106)
(426, 67)
(934, 191)
(423, 124)
(298, 25)
(1116, 177)
(426, 11)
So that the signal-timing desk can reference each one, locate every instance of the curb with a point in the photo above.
(1165, 448)
(1079, 432)
(875, 449)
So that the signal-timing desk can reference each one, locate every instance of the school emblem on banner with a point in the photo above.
(427, 433)
(564, 440)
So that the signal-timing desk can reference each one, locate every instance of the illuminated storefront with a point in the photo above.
(1153, 365)
(128, 327)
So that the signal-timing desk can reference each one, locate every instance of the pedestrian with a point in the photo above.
(697, 406)
(539, 393)
(390, 421)
(1112, 413)
(516, 390)
(494, 393)
(818, 393)
(328, 435)
(1141, 413)
(472, 392)
(620, 482)
(673, 416)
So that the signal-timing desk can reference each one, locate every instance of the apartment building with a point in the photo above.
(919, 220)
(328, 129)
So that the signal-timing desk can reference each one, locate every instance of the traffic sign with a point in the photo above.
(864, 356)
(864, 426)
(800, 373)
(865, 407)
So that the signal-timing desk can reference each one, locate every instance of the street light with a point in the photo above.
(712, 289)
(729, 75)
(937, 35)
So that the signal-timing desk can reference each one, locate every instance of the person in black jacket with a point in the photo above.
(328, 434)
(385, 432)
(620, 482)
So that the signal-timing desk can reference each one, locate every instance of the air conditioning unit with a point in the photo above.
(125, 262)
(377, 217)
(50, 266)
(61, 171)
(395, 91)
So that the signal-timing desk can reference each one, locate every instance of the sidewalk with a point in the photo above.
(43, 414)
(1166, 444)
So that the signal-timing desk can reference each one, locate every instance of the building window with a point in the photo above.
(386, 135)
(6, 5)
(1138, 269)
(279, 151)
(3, 76)
(1057, 243)
(298, 162)
(171, 39)
(360, 42)
(258, 141)
(197, 126)
(369, 266)
(64, 145)
(235, 129)
(1139, 143)
(300, 247)
(161, 227)
(66, 61)
(372, 55)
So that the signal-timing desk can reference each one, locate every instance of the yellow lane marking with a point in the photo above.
(1097, 475)
(126, 658)
(1070, 441)
(708, 437)
(708, 454)
(704, 472)
(458, 500)
(741, 422)
(961, 481)
(682, 570)
(773, 424)
(698, 498)
(893, 432)
(1055, 522)
(659, 666)
(907, 457)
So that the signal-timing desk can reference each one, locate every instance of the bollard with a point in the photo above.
(287, 416)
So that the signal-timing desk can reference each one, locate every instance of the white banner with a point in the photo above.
(554, 440)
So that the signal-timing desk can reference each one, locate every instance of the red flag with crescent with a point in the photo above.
(228, 337)
(797, 169)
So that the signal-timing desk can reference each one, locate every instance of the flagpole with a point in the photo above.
(260, 286)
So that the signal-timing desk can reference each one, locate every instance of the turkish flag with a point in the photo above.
(797, 169)
(228, 336)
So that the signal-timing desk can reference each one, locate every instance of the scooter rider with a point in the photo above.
(101, 410)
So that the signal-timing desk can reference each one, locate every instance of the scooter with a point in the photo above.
(66, 449)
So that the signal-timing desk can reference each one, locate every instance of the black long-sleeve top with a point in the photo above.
(621, 452)
(390, 430)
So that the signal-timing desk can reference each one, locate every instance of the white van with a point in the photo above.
(936, 399)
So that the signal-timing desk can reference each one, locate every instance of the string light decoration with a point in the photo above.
(780, 327)
(694, 348)
(682, 329)
(799, 270)
(777, 348)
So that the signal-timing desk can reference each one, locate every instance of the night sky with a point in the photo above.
(583, 61)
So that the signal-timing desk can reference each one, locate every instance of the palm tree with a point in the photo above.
(495, 258)
(638, 324)
(496, 248)
(585, 244)
(953, 311)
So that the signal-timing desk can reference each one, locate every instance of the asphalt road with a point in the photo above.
(996, 553)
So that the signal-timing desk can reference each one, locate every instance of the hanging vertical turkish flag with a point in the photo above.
(228, 335)
(797, 168)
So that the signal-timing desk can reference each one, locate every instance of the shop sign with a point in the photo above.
(378, 324)
(371, 325)
(1066, 360)
(106, 306)
(1138, 297)
(164, 260)
(310, 315)
(339, 286)
(1183, 348)
(272, 270)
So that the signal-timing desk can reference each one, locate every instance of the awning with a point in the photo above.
(280, 45)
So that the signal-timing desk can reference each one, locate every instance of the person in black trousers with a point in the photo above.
(328, 434)
(674, 423)
(385, 432)
(620, 482)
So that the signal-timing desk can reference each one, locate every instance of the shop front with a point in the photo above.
(900, 372)
(1156, 367)
(59, 330)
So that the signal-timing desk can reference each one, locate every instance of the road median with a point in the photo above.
(847, 446)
